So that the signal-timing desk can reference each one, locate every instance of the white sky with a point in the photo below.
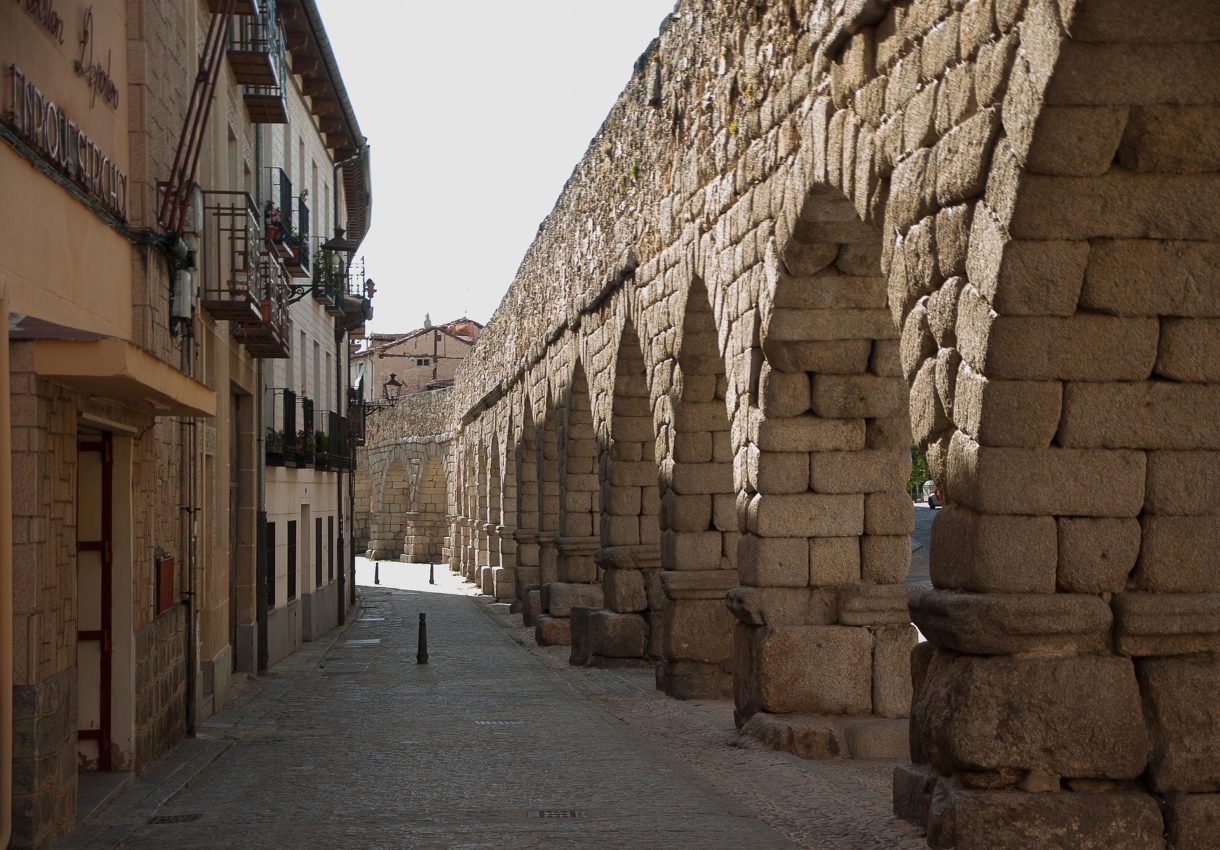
(477, 112)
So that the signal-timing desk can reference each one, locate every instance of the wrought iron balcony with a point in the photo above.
(345, 289)
(297, 261)
(355, 417)
(256, 54)
(329, 281)
(229, 256)
(304, 448)
(333, 448)
(270, 334)
(280, 433)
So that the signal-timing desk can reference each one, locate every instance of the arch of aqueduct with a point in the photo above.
(807, 235)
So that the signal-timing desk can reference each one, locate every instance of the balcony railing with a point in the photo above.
(329, 282)
(332, 443)
(355, 416)
(345, 290)
(292, 441)
(277, 211)
(286, 223)
(256, 54)
(229, 256)
(270, 333)
(297, 261)
(304, 447)
(280, 434)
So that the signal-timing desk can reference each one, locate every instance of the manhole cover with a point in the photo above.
(363, 642)
(497, 723)
(557, 813)
(175, 818)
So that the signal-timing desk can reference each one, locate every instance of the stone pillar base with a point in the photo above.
(602, 638)
(694, 679)
(531, 604)
(968, 819)
(503, 583)
(552, 631)
(815, 736)
(913, 787)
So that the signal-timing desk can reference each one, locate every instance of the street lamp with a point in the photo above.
(393, 382)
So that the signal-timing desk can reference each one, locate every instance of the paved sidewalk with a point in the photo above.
(495, 743)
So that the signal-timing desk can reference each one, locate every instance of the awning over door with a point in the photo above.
(116, 369)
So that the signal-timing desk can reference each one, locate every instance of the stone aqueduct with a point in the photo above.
(807, 235)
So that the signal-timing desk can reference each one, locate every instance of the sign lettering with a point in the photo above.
(44, 12)
(97, 76)
(63, 144)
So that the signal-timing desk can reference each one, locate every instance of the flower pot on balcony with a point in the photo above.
(297, 262)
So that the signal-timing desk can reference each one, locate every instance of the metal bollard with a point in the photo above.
(377, 572)
(421, 657)
(431, 574)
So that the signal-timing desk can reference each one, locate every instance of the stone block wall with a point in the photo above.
(402, 469)
(160, 685)
(46, 425)
(984, 227)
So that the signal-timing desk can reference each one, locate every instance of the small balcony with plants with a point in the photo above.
(342, 448)
(304, 446)
(342, 286)
(286, 224)
(269, 334)
(354, 421)
(329, 281)
(279, 433)
(297, 238)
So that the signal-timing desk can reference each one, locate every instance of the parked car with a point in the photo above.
(931, 494)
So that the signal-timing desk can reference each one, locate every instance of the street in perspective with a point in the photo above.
(784, 423)
(351, 742)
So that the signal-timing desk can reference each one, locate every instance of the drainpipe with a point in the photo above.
(6, 587)
(186, 487)
(262, 653)
(341, 404)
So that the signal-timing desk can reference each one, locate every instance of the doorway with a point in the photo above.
(94, 598)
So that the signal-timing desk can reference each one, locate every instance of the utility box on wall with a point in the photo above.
(164, 576)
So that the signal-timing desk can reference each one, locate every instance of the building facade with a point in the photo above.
(147, 294)
(392, 364)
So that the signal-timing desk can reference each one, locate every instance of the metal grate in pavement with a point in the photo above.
(497, 723)
(558, 813)
(362, 642)
(175, 818)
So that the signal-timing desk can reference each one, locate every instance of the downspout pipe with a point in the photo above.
(341, 404)
(262, 653)
(6, 587)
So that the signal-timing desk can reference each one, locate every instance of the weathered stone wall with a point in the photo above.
(46, 429)
(988, 227)
(400, 485)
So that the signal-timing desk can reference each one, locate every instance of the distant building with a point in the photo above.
(401, 363)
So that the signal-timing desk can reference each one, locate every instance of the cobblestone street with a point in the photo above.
(350, 743)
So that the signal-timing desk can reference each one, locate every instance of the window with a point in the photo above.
(292, 559)
(271, 565)
(423, 361)
(330, 548)
(317, 551)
